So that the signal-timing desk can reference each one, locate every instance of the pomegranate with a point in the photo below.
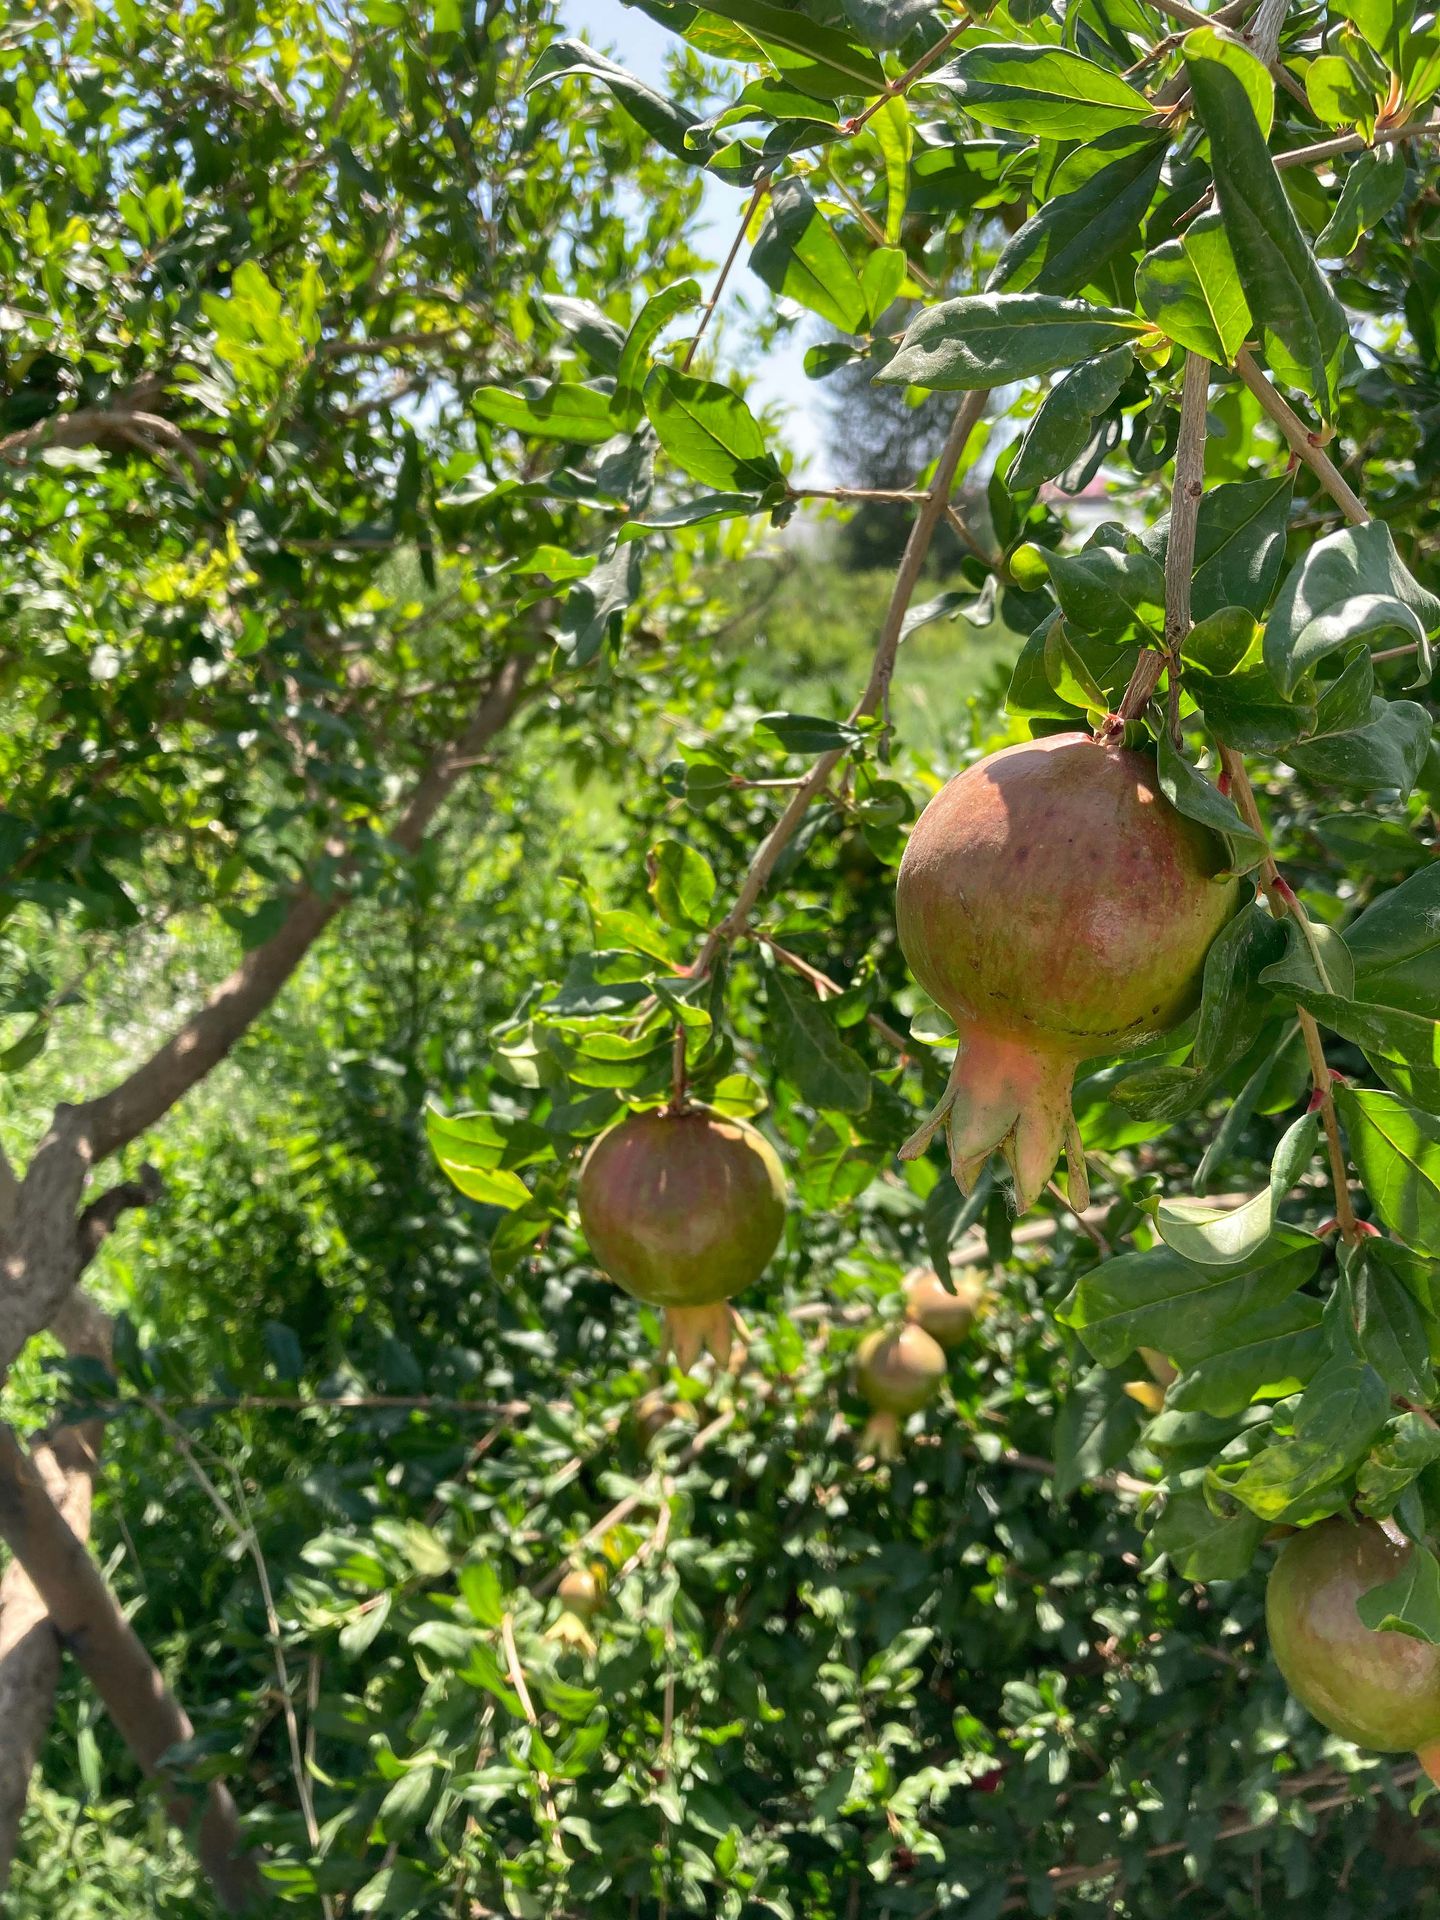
(1056, 905)
(898, 1370)
(1381, 1690)
(946, 1313)
(683, 1210)
(581, 1595)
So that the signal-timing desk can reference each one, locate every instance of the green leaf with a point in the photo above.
(1411, 1444)
(656, 314)
(1190, 289)
(1044, 90)
(682, 884)
(809, 1052)
(1266, 1357)
(1397, 1151)
(1373, 184)
(1095, 1430)
(1201, 1542)
(709, 431)
(1302, 1475)
(1302, 324)
(895, 136)
(1410, 1603)
(1221, 1236)
(1387, 750)
(1349, 586)
(799, 256)
(1403, 1047)
(1240, 545)
(1067, 244)
(406, 1801)
(469, 1148)
(829, 59)
(881, 279)
(985, 339)
(664, 120)
(1395, 945)
(1158, 1299)
(1109, 593)
(1190, 793)
(548, 412)
(1065, 423)
(805, 732)
(1319, 963)
(1389, 1325)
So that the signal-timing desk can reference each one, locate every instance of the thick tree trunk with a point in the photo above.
(88, 1621)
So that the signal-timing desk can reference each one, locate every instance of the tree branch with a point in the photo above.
(877, 691)
(1301, 440)
(121, 1115)
(1283, 900)
(89, 1621)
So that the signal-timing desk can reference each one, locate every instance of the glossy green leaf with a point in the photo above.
(1044, 90)
(1067, 244)
(1351, 585)
(985, 339)
(1201, 1542)
(799, 255)
(1065, 422)
(1159, 1299)
(1303, 326)
(1096, 1428)
(1215, 1236)
(709, 431)
(1271, 1354)
(682, 884)
(656, 314)
(1301, 1475)
(807, 1049)
(1397, 1151)
(1395, 944)
(1190, 289)
(1373, 184)
(1410, 1603)
(1188, 790)
(546, 412)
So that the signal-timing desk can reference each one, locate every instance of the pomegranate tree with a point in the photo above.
(1379, 1689)
(898, 1370)
(1056, 905)
(683, 1210)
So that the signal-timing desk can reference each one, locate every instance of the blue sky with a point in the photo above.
(638, 43)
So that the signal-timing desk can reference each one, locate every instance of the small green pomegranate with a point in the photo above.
(1381, 1690)
(684, 1210)
(898, 1370)
(581, 1595)
(1056, 905)
(946, 1313)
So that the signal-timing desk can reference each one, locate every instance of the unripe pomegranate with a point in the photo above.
(581, 1595)
(1381, 1690)
(580, 1592)
(898, 1370)
(1056, 905)
(684, 1210)
(946, 1315)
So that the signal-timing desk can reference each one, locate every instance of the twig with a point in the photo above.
(517, 1680)
(1185, 500)
(908, 78)
(1283, 900)
(1354, 143)
(623, 1509)
(245, 1533)
(871, 701)
(1301, 440)
(762, 187)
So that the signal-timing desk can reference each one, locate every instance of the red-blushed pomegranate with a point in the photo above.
(1056, 905)
(946, 1313)
(684, 1210)
(1381, 1690)
(898, 1370)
